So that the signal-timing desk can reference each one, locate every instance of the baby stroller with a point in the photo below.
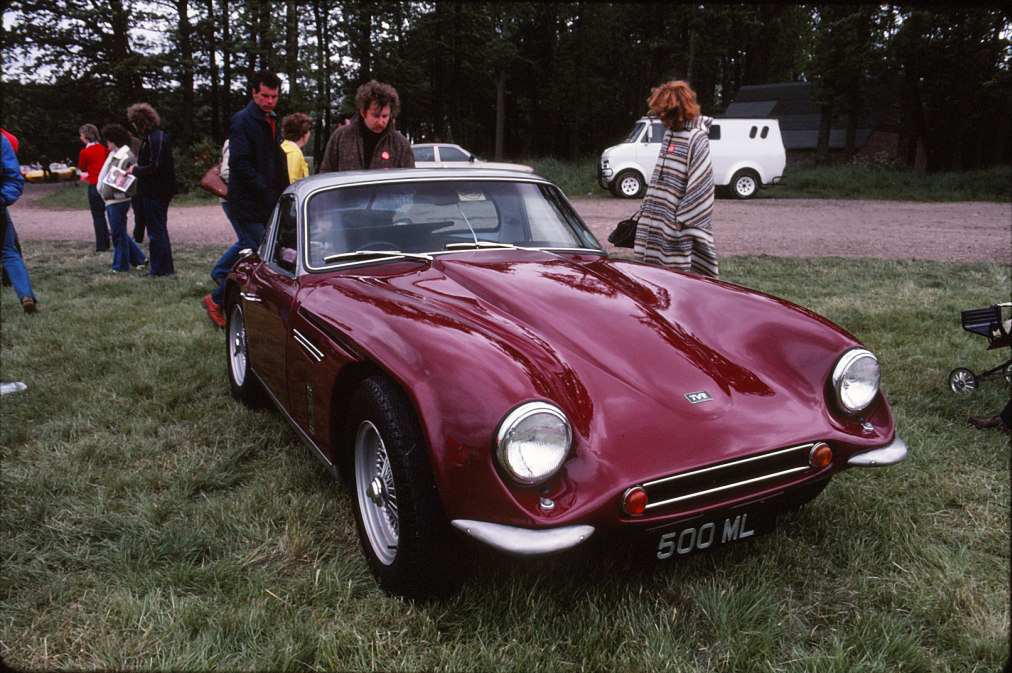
(986, 322)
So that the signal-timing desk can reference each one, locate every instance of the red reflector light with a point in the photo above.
(821, 455)
(634, 502)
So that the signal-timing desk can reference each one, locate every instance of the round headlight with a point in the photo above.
(855, 380)
(532, 442)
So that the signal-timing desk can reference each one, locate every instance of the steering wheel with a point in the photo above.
(379, 245)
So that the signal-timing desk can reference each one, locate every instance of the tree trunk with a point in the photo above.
(853, 117)
(321, 13)
(125, 80)
(825, 127)
(226, 63)
(692, 56)
(186, 73)
(212, 56)
(500, 112)
(292, 53)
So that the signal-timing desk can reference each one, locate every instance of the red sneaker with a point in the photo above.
(214, 311)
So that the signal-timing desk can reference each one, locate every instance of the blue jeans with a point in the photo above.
(231, 256)
(125, 252)
(250, 235)
(97, 206)
(156, 218)
(13, 264)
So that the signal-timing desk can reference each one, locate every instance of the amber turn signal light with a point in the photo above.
(820, 456)
(634, 502)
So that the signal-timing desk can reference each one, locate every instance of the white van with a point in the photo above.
(746, 154)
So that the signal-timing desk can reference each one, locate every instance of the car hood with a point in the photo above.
(655, 369)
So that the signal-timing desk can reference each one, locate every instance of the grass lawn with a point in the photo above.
(150, 522)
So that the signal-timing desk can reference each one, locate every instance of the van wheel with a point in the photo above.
(745, 183)
(628, 185)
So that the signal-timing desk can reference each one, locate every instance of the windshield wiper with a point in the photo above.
(477, 245)
(367, 254)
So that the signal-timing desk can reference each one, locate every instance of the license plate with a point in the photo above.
(697, 537)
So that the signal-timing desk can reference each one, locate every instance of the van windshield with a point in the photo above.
(635, 133)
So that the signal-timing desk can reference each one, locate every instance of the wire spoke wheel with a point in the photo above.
(401, 524)
(376, 493)
(242, 382)
(237, 346)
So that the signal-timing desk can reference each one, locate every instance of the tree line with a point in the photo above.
(503, 79)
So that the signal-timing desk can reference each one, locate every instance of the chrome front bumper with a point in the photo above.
(890, 454)
(524, 541)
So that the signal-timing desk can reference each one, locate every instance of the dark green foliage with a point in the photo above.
(506, 80)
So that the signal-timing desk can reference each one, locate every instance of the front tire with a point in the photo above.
(628, 185)
(245, 386)
(745, 183)
(401, 524)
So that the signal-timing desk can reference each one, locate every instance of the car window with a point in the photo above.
(634, 135)
(423, 154)
(452, 154)
(283, 252)
(440, 216)
(656, 132)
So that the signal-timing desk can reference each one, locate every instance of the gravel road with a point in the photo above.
(946, 232)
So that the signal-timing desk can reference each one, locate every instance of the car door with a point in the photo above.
(269, 301)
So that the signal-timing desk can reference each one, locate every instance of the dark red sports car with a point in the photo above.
(458, 347)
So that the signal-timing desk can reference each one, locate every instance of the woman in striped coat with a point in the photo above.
(674, 227)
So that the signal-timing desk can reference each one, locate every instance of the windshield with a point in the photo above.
(635, 133)
(439, 217)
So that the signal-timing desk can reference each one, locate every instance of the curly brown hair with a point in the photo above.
(143, 117)
(295, 125)
(377, 92)
(674, 103)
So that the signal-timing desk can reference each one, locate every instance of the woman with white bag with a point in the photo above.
(117, 188)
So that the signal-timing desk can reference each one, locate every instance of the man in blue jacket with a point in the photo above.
(257, 174)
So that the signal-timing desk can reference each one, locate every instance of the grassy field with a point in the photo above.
(150, 522)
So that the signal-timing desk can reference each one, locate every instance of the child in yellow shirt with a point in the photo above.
(295, 129)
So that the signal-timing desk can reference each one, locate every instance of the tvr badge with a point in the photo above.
(696, 398)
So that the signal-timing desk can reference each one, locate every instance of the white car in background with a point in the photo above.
(447, 155)
(746, 154)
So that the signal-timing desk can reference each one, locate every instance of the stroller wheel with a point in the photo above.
(962, 380)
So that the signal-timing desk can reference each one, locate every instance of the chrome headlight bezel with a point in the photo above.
(532, 442)
(856, 378)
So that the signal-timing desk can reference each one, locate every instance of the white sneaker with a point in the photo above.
(13, 387)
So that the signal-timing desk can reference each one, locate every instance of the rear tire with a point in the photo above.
(745, 184)
(628, 185)
(401, 525)
(245, 386)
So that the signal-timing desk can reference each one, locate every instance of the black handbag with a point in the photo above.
(624, 235)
